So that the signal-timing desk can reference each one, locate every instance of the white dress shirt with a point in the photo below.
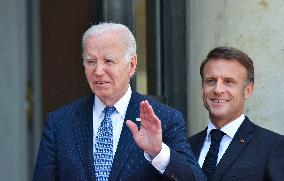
(160, 162)
(229, 130)
(117, 117)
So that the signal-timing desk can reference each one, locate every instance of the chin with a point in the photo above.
(219, 115)
(102, 93)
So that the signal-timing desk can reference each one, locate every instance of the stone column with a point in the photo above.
(13, 67)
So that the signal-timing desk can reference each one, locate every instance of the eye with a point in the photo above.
(229, 82)
(210, 82)
(109, 61)
(90, 62)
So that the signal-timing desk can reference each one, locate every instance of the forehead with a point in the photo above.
(224, 68)
(107, 43)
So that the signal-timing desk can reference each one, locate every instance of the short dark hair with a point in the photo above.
(230, 53)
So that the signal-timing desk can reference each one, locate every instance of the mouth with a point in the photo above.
(101, 82)
(218, 100)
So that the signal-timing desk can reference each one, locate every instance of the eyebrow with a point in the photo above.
(223, 78)
(214, 77)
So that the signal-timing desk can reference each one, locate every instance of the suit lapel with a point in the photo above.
(240, 141)
(83, 129)
(126, 142)
(197, 142)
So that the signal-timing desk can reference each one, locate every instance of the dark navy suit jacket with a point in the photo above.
(255, 154)
(66, 149)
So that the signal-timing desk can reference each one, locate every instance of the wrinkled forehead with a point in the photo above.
(119, 35)
(107, 43)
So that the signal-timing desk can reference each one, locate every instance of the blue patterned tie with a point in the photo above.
(103, 155)
(210, 162)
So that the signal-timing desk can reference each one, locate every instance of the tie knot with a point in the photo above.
(216, 134)
(109, 110)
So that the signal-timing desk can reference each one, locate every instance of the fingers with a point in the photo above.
(143, 110)
(133, 127)
(147, 115)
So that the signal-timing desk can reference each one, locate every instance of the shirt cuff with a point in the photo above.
(161, 161)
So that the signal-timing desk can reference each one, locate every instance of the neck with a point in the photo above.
(220, 123)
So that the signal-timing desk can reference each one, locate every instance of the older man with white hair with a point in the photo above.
(115, 133)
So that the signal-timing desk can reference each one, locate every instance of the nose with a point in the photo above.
(219, 87)
(99, 69)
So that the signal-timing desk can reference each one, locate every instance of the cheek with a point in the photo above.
(88, 75)
(122, 73)
(205, 92)
(240, 94)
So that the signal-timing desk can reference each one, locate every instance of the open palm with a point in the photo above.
(149, 136)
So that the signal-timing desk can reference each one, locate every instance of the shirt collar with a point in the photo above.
(120, 106)
(230, 129)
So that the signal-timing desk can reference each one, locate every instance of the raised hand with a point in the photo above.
(149, 136)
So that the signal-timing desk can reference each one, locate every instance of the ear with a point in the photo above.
(248, 90)
(132, 65)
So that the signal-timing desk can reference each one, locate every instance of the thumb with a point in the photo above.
(133, 127)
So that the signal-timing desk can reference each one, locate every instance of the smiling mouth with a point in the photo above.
(218, 100)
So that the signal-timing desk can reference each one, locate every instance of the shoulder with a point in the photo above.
(68, 112)
(61, 120)
(74, 105)
(271, 144)
(262, 135)
(267, 134)
(197, 136)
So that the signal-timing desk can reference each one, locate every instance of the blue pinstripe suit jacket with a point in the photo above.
(66, 148)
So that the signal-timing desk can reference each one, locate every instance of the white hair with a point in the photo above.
(101, 28)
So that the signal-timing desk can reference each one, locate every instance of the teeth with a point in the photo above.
(219, 101)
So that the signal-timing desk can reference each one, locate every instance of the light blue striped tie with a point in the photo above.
(103, 155)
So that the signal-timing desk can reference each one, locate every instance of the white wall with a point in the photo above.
(256, 27)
